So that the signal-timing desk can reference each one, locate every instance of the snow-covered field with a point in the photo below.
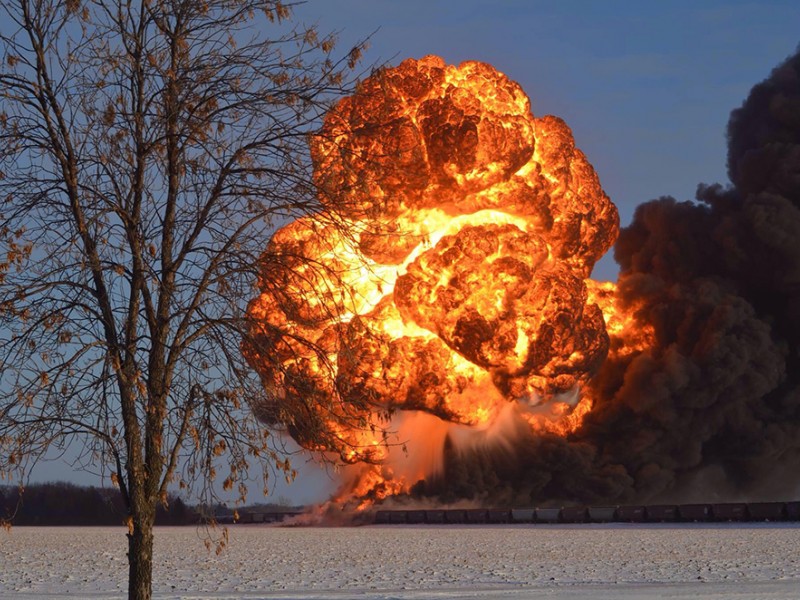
(403, 562)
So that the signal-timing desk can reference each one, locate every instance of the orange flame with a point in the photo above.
(459, 285)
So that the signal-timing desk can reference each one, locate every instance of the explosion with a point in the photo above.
(459, 286)
(451, 307)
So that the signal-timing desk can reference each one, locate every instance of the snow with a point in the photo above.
(413, 563)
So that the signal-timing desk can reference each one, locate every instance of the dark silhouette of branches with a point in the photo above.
(147, 151)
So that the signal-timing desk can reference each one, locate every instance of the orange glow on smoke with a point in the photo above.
(459, 286)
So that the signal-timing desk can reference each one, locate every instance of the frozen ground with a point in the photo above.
(601, 562)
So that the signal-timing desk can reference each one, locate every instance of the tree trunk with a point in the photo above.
(140, 561)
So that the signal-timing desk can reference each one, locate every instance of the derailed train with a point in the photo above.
(660, 513)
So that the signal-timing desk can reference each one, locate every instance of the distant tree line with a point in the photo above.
(62, 503)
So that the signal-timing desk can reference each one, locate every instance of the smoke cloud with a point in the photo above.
(711, 408)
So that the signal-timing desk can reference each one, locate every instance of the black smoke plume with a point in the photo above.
(712, 409)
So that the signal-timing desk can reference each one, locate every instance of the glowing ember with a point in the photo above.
(460, 292)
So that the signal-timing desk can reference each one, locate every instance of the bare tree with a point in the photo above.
(147, 151)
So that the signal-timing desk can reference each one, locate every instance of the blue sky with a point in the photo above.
(646, 86)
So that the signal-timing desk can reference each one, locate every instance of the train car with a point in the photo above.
(574, 514)
(279, 517)
(729, 511)
(382, 517)
(602, 514)
(477, 515)
(548, 515)
(657, 513)
(661, 513)
(272, 517)
(499, 515)
(455, 516)
(434, 516)
(415, 517)
(631, 514)
(523, 515)
(793, 511)
(398, 517)
(766, 511)
(694, 512)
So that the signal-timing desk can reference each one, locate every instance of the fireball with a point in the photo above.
(458, 288)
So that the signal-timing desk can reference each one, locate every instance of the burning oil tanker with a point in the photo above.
(440, 332)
